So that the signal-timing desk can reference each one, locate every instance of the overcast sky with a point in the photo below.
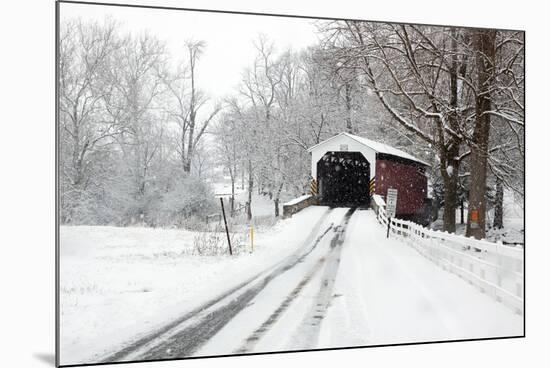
(228, 37)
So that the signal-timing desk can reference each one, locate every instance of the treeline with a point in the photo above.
(133, 121)
(287, 102)
(460, 91)
(450, 96)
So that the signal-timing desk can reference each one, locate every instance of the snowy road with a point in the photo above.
(346, 285)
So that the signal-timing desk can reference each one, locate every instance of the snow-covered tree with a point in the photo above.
(437, 83)
(86, 132)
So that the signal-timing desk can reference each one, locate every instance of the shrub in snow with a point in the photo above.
(214, 243)
(188, 198)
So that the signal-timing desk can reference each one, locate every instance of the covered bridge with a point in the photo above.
(347, 170)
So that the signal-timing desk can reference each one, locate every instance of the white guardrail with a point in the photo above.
(496, 269)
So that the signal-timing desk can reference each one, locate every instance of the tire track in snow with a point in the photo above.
(184, 336)
(307, 328)
(186, 342)
(274, 317)
(307, 333)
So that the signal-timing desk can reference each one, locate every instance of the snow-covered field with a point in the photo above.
(514, 225)
(120, 283)
(349, 287)
(514, 222)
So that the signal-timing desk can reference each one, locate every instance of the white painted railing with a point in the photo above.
(494, 268)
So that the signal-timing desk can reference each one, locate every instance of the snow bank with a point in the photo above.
(379, 200)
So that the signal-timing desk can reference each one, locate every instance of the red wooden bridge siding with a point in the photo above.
(408, 178)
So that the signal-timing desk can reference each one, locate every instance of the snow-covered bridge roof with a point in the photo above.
(376, 146)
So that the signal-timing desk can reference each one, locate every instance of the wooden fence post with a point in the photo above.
(226, 228)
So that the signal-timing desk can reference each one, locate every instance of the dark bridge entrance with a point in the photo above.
(343, 179)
